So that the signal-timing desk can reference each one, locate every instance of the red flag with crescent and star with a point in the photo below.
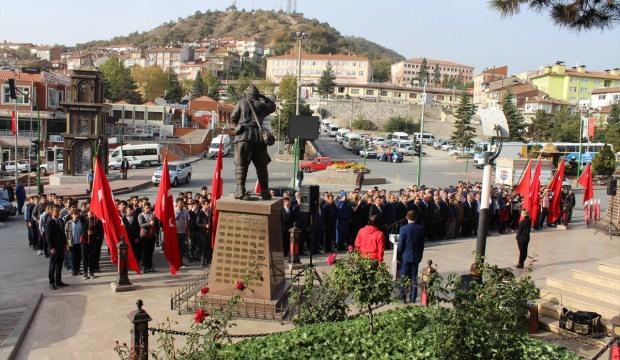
(555, 186)
(164, 211)
(217, 186)
(585, 180)
(103, 207)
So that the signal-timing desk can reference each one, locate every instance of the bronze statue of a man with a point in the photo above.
(248, 116)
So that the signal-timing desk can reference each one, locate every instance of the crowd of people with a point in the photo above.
(67, 232)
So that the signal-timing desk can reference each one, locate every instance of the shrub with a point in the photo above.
(604, 163)
(407, 333)
(399, 123)
(360, 123)
(317, 304)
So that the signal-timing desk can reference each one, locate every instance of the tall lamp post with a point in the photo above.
(299, 36)
(582, 109)
(421, 135)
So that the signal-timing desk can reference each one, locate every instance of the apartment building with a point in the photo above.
(574, 85)
(407, 72)
(482, 81)
(605, 97)
(347, 68)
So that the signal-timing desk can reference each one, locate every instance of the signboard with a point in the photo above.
(56, 138)
(509, 172)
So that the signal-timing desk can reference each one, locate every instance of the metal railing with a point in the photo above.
(189, 290)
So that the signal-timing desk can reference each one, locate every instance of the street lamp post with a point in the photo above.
(299, 36)
(421, 135)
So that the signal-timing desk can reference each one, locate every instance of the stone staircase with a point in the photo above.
(594, 288)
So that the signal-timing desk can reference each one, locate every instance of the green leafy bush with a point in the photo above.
(313, 303)
(406, 333)
(361, 123)
(400, 123)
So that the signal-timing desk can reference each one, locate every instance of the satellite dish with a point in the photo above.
(492, 120)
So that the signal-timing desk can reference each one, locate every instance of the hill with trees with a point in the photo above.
(272, 28)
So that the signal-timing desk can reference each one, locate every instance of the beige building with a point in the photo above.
(347, 68)
(407, 72)
(482, 81)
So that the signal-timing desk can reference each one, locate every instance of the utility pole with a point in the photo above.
(421, 135)
(300, 36)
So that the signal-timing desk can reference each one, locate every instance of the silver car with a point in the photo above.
(179, 171)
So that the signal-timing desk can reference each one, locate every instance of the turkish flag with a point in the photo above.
(555, 186)
(585, 180)
(164, 211)
(535, 193)
(102, 205)
(524, 186)
(14, 122)
(217, 186)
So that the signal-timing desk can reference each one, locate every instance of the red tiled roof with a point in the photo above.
(5, 75)
(202, 99)
(438, 62)
(606, 90)
(503, 70)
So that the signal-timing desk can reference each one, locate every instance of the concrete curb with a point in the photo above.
(16, 337)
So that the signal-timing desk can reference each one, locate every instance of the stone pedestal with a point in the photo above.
(62, 179)
(248, 234)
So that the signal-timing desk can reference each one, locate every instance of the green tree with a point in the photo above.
(541, 128)
(423, 75)
(612, 129)
(566, 126)
(361, 123)
(287, 95)
(119, 85)
(574, 14)
(198, 88)
(516, 122)
(327, 82)
(174, 91)
(401, 124)
(463, 131)
(381, 71)
(152, 81)
(212, 84)
(604, 163)
(23, 53)
(436, 76)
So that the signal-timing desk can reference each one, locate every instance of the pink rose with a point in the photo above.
(331, 259)
(240, 285)
(200, 315)
(350, 249)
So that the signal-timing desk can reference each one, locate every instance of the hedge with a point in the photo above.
(406, 333)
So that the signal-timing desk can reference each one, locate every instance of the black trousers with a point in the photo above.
(55, 269)
(76, 257)
(522, 250)
(88, 258)
(206, 252)
(286, 242)
(182, 245)
(255, 152)
(194, 237)
(148, 247)
(97, 254)
(33, 236)
(136, 247)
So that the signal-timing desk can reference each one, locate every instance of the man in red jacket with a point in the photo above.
(370, 241)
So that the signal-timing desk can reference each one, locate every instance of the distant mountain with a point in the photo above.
(271, 28)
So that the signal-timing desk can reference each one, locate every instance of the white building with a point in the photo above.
(347, 68)
(604, 97)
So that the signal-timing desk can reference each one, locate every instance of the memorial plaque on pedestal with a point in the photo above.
(249, 237)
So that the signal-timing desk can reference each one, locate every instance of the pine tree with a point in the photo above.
(541, 128)
(327, 81)
(423, 75)
(436, 76)
(174, 91)
(464, 133)
(199, 86)
(516, 122)
(212, 85)
(604, 163)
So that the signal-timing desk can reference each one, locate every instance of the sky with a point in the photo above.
(464, 31)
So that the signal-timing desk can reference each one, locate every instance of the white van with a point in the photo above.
(215, 146)
(400, 136)
(333, 130)
(325, 125)
(340, 133)
(147, 153)
(428, 138)
(349, 140)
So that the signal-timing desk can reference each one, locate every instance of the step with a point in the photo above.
(576, 302)
(553, 325)
(549, 324)
(584, 289)
(609, 268)
(602, 279)
(549, 309)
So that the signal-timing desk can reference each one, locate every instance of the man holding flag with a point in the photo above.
(555, 186)
(103, 207)
(164, 211)
(217, 186)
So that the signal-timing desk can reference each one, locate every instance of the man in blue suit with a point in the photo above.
(409, 255)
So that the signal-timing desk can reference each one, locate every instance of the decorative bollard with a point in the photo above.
(294, 250)
(122, 282)
(428, 275)
(614, 351)
(140, 332)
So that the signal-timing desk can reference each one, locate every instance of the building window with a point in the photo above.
(116, 114)
(370, 92)
(341, 89)
(573, 89)
(397, 94)
(23, 95)
(127, 115)
(583, 90)
(384, 93)
(607, 83)
(601, 97)
(139, 115)
(439, 97)
(155, 116)
(355, 91)
(413, 95)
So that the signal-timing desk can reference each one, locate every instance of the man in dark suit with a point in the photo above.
(409, 254)
(523, 237)
(329, 217)
(57, 243)
(469, 211)
(286, 219)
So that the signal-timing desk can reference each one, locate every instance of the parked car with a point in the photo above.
(395, 157)
(180, 172)
(411, 151)
(22, 166)
(370, 152)
(134, 163)
(6, 209)
(439, 143)
(447, 147)
(318, 164)
(379, 142)
(47, 168)
(461, 152)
